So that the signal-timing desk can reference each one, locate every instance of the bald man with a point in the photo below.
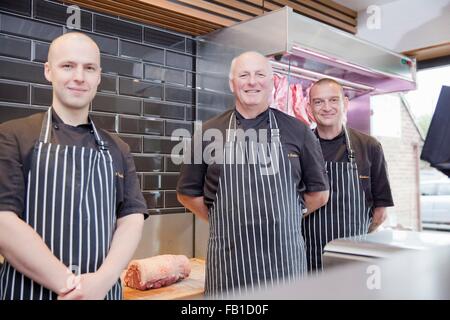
(254, 196)
(357, 172)
(71, 210)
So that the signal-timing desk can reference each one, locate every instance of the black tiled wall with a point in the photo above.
(147, 89)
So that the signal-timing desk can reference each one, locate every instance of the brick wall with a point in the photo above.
(402, 160)
(146, 92)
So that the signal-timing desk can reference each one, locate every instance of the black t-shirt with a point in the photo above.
(370, 161)
(299, 145)
(17, 140)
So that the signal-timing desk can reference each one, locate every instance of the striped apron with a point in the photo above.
(70, 203)
(255, 239)
(346, 214)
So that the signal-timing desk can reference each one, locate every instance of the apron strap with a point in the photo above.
(46, 131)
(351, 153)
(231, 123)
(102, 144)
(46, 127)
(274, 129)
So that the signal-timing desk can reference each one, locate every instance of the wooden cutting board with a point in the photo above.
(189, 288)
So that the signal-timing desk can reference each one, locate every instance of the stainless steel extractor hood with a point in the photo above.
(312, 50)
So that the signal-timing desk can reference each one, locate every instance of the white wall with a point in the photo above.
(408, 24)
(402, 160)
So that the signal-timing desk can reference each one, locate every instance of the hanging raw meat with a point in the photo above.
(282, 99)
(276, 83)
(156, 272)
(306, 99)
(290, 99)
(300, 104)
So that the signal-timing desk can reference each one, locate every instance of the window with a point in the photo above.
(423, 100)
(428, 189)
(444, 189)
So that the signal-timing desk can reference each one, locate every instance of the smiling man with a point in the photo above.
(255, 214)
(356, 168)
(70, 201)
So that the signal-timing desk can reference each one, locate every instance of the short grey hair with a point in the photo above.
(232, 66)
(233, 63)
(325, 81)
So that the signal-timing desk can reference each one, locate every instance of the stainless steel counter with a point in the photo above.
(380, 244)
(395, 265)
(407, 275)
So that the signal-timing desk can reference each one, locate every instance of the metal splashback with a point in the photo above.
(312, 50)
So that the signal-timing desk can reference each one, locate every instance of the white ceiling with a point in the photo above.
(359, 5)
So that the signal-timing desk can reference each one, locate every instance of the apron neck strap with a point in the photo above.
(46, 131)
(351, 153)
(231, 124)
(274, 129)
(46, 127)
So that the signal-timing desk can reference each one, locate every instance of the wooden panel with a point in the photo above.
(328, 11)
(427, 53)
(167, 14)
(153, 16)
(198, 17)
(148, 18)
(338, 7)
(267, 6)
(201, 15)
(216, 8)
(317, 15)
(240, 5)
(126, 6)
(134, 6)
(189, 288)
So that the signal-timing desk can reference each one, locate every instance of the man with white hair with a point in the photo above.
(254, 202)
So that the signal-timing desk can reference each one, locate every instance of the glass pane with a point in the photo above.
(428, 189)
(444, 189)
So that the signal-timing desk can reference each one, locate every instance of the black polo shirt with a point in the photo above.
(369, 156)
(299, 145)
(17, 140)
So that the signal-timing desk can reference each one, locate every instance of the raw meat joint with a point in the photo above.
(289, 98)
(156, 272)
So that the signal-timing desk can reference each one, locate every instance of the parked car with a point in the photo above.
(435, 204)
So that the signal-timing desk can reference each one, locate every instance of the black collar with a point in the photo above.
(263, 114)
(339, 136)
(57, 120)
